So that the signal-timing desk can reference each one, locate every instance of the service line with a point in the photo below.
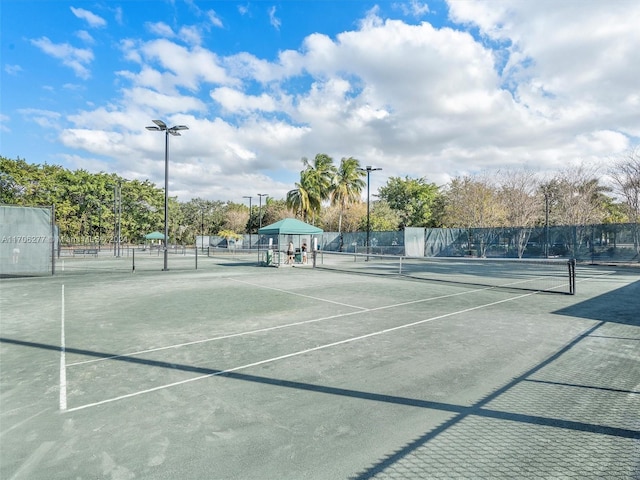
(298, 353)
(277, 327)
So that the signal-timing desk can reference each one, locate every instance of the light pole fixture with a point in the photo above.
(249, 197)
(260, 195)
(160, 126)
(368, 169)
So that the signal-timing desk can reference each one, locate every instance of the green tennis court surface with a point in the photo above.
(235, 371)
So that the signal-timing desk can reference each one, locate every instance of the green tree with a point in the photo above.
(143, 210)
(383, 217)
(414, 199)
(13, 175)
(202, 217)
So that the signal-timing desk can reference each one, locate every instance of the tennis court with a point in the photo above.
(235, 371)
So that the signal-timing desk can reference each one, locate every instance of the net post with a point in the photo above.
(400, 267)
(572, 276)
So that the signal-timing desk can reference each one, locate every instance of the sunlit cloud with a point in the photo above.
(92, 19)
(13, 69)
(74, 58)
(275, 21)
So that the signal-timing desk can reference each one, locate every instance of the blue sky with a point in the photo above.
(431, 89)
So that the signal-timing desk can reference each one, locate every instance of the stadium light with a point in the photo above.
(160, 126)
(368, 169)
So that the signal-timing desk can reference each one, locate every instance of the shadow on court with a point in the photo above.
(616, 307)
(620, 306)
(567, 408)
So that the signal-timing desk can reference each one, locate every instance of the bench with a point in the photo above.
(85, 251)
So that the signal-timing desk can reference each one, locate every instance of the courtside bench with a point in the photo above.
(85, 251)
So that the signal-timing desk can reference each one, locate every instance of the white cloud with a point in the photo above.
(85, 36)
(413, 99)
(13, 69)
(214, 19)
(190, 35)
(74, 58)
(603, 142)
(95, 141)
(235, 101)
(117, 13)
(273, 20)
(4, 119)
(47, 119)
(413, 8)
(90, 164)
(92, 19)
(161, 29)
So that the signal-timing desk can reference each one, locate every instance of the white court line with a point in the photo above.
(296, 293)
(294, 354)
(277, 327)
(22, 422)
(63, 367)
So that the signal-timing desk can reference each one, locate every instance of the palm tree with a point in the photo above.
(316, 181)
(347, 186)
(298, 200)
(318, 178)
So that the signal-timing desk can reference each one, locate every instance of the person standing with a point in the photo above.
(290, 252)
(304, 252)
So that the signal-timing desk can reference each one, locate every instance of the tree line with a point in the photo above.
(330, 196)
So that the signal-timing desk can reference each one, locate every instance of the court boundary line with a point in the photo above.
(294, 354)
(277, 327)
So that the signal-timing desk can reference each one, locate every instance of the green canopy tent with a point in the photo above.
(154, 236)
(279, 235)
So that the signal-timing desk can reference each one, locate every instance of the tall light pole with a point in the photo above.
(202, 230)
(368, 169)
(119, 215)
(160, 126)
(249, 197)
(116, 219)
(99, 225)
(260, 195)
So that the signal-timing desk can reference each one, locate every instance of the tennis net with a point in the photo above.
(540, 275)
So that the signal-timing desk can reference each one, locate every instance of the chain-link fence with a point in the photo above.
(597, 243)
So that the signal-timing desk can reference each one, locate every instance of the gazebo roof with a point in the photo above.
(289, 226)
(154, 236)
